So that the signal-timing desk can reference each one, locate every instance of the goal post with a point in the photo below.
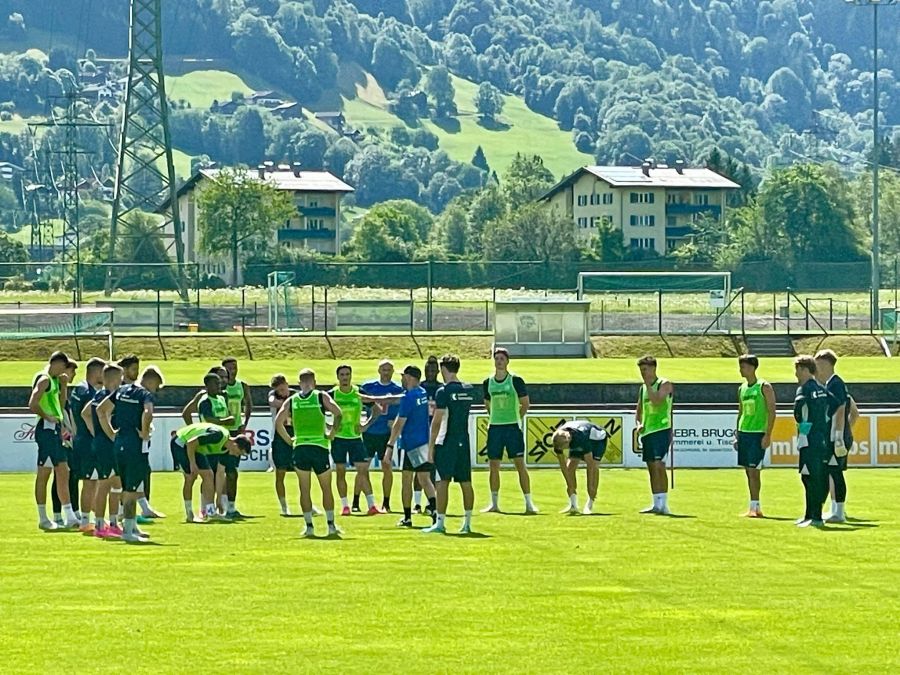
(657, 302)
(653, 282)
(59, 322)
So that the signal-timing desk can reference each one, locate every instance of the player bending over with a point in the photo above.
(585, 442)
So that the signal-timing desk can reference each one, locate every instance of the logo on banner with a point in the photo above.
(889, 440)
(539, 436)
(783, 450)
(24, 434)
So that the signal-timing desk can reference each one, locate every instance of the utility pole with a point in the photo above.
(67, 188)
(876, 157)
(145, 150)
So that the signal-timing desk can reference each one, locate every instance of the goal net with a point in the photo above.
(657, 302)
(63, 324)
(283, 303)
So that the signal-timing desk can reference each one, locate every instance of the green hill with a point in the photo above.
(365, 104)
(201, 87)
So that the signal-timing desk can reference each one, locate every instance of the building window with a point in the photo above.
(315, 224)
(313, 203)
(642, 197)
(643, 221)
(583, 223)
(701, 199)
(582, 200)
(607, 197)
(671, 244)
(643, 242)
(671, 221)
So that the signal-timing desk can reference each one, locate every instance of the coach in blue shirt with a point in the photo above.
(377, 435)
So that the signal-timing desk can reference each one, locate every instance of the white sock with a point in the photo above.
(210, 509)
(329, 517)
(70, 514)
(113, 521)
(838, 509)
(307, 516)
(57, 517)
(129, 526)
(99, 523)
(467, 518)
(231, 508)
(440, 519)
(188, 507)
(85, 519)
(590, 503)
(42, 512)
(370, 499)
(495, 500)
(754, 504)
(223, 502)
(344, 502)
(145, 506)
(417, 497)
(657, 500)
(283, 502)
(528, 503)
(664, 500)
(573, 501)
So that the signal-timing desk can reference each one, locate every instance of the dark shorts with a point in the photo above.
(508, 437)
(209, 462)
(105, 464)
(452, 461)
(597, 450)
(813, 458)
(750, 450)
(376, 444)
(282, 454)
(134, 465)
(836, 463)
(50, 447)
(81, 458)
(656, 445)
(230, 462)
(311, 458)
(420, 452)
(180, 457)
(349, 451)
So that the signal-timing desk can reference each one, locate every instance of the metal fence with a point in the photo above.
(455, 296)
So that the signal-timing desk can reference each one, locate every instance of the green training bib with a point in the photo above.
(504, 401)
(754, 411)
(309, 420)
(350, 404)
(655, 416)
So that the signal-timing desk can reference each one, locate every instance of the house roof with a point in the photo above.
(283, 179)
(664, 177)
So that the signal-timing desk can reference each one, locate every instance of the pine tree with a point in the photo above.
(479, 161)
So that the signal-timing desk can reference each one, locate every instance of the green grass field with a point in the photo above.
(618, 592)
(853, 369)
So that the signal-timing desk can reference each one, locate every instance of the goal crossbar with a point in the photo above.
(651, 282)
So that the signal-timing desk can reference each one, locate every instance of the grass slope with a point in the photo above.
(852, 369)
(620, 592)
(518, 129)
(201, 87)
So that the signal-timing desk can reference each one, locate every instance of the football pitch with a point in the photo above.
(554, 371)
(614, 592)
